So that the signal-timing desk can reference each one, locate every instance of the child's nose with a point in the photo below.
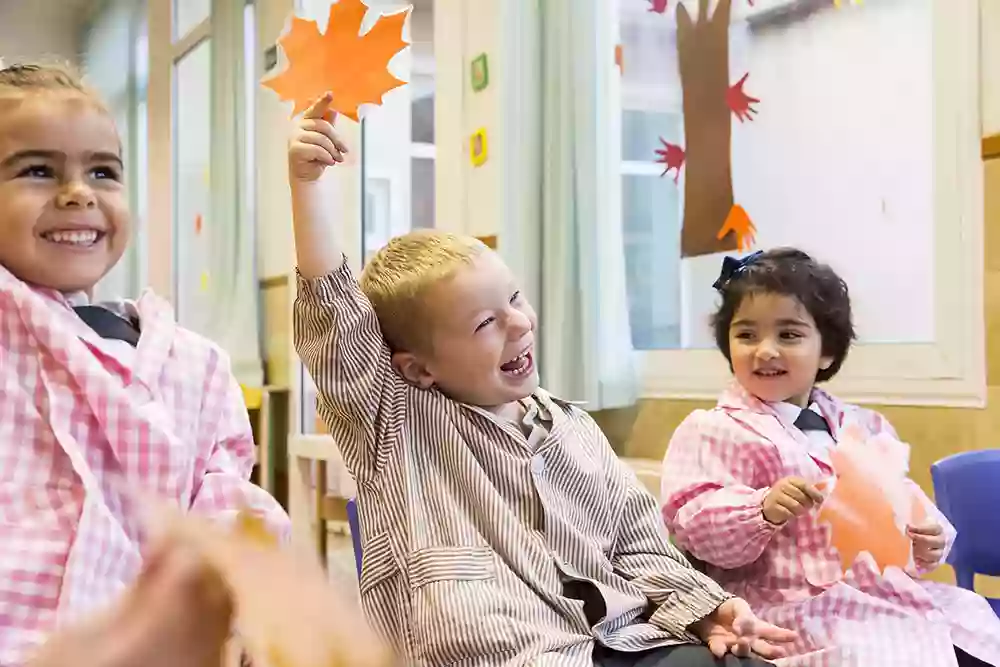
(76, 194)
(767, 349)
(518, 323)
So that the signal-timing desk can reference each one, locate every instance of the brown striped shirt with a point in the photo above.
(483, 544)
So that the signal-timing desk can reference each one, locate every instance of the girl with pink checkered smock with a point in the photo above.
(740, 486)
(98, 401)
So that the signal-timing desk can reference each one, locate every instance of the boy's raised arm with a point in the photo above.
(336, 330)
(314, 147)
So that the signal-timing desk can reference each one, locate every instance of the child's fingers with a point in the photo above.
(324, 142)
(807, 490)
(314, 153)
(319, 108)
(928, 528)
(800, 499)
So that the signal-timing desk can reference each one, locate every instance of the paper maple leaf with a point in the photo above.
(861, 515)
(353, 67)
(739, 223)
(739, 102)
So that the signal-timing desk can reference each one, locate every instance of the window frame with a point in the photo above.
(951, 370)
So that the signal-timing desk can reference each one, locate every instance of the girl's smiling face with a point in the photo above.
(64, 219)
(775, 347)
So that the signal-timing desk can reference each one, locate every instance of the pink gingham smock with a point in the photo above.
(82, 421)
(717, 469)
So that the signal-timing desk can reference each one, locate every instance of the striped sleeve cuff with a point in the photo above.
(685, 608)
(329, 288)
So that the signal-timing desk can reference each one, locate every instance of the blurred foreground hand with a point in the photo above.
(199, 582)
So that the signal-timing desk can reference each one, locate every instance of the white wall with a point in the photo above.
(839, 160)
(990, 44)
(40, 30)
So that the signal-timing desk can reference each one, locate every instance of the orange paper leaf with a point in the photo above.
(353, 67)
(861, 515)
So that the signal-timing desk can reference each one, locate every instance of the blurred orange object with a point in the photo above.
(861, 511)
(288, 614)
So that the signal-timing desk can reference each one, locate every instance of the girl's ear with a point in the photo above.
(825, 363)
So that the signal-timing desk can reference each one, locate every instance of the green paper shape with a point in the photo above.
(480, 73)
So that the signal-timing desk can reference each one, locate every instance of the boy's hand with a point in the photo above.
(315, 145)
(788, 498)
(177, 613)
(734, 628)
(928, 543)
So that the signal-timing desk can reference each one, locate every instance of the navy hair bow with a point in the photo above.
(732, 267)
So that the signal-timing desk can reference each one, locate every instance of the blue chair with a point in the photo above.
(352, 521)
(967, 491)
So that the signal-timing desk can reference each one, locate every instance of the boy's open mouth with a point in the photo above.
(77, 238)
(519, 365)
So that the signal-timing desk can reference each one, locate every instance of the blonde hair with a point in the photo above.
(399, 276)
(38, 77)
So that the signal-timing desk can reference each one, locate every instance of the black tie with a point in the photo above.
(108, 325)
(810, 421)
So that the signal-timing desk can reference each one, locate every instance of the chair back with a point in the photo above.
(355, 526)
(967, 491)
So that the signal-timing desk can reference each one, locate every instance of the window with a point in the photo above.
(843, 160)
(399, 184)
(115, 35)
(192, 183)
(397, 155)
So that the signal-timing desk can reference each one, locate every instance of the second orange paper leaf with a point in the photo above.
(351, 66)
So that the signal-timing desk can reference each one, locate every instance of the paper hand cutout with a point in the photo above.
(739, 102)
(352, 67)
(740, 224)
(865, 506)
(672, 157)
(660, 6)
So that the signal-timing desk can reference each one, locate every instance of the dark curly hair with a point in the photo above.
(793, 273)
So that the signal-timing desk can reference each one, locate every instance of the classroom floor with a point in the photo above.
(340, 562)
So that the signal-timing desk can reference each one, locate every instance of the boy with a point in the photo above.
(498, 526)
(99, 401)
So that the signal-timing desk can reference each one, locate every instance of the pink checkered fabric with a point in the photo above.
(719, 465)
(85, 420)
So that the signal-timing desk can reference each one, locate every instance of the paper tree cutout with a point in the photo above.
(739, 102)
(672, 157)
(739, 223)
(287, 612)
(863, 509)
(353, 67)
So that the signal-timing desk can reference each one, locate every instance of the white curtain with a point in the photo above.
(586, 347)
(108, 61)
(232, 260)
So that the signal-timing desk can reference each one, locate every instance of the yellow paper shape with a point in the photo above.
(353, 67)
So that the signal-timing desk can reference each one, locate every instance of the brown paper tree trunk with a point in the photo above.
(703, 56)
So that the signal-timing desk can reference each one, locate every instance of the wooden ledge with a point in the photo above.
(991, 147)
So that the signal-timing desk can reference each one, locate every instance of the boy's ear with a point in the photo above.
(412, 369)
